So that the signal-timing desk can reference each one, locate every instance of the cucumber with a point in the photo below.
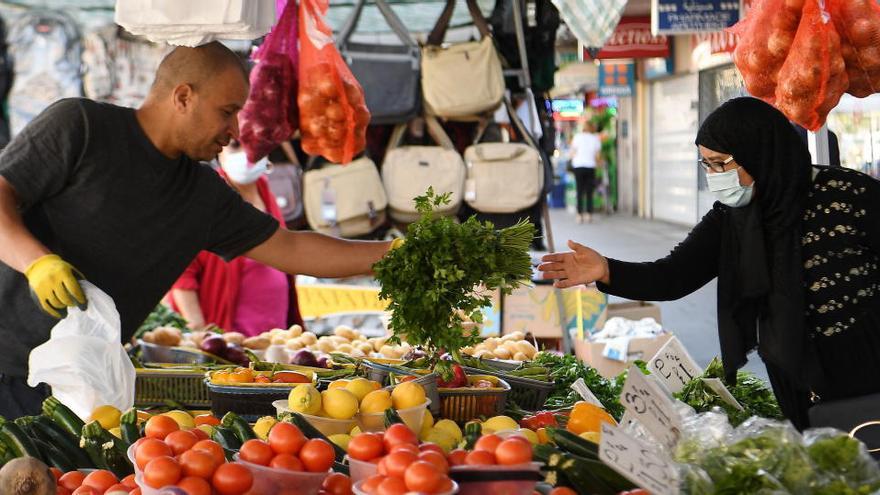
(64, 441)
(241, 428)
(55, 457)
(472, 432)
(128, 428)
(17, 440)
(391, 417)
(108, 449)
(311, 432)
(5, 454)
(63, 416)
(572, 443)
(226, 438)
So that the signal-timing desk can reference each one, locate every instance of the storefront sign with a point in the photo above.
(719, 41)
(633, 39)
(617, 78)
(693, 16)
(569, 109)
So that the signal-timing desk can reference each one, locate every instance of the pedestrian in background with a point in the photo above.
(585, 153)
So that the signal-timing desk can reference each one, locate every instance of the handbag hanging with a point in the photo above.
(345, 200)
(389, 74)
(858, 416)
(465, 79)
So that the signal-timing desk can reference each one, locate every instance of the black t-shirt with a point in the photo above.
(96, 192)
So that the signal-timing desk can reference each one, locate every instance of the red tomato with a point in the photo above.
(371, 484)
(117, 489)
(405, 447)
(366, 446)
(56, 473)
(397, 434)
(422, 476)
(206, 419)
(159, 427)
(194, 486)
(289, 462)
(71, 480)
(391, 486)
(60, 490)
(232, 479)
(488, 443)
(445, 484)
(161, 472)
(86, 490)
(381, 467)
(100, 480)
(129, 482)
(396, 463)
(438, 460)
(180, 441)
(337, 484)
(200, 434)
(513, 451)
(150, 449)
(480, 458)
(212, 448)
(136, 491)
(457, 457)
(317, 455)
(562, 490)
(199, 463)
(257, 452)
(285, 438)
(428, 446)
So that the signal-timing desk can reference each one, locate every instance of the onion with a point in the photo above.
(863, 32)
(304, 357)
(323, 361)
(236, 354)
(335, 112)
(779, 43)
(214, 345)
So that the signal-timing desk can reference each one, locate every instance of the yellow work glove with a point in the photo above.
(54, 283)
(396, 243)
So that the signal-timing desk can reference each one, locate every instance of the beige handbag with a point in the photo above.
(408, 171)
(345, 200)
(465, 79)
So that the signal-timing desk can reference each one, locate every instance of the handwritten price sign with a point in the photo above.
(637, 461)
(651, 406)
(674, 366)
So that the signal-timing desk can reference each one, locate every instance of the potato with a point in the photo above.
(308, 338)
(166, 336)
(510, 338)
(345, 331)
(344, 348)
(511, 347)
(324, 346)
(294, 344)
(526, 348)
(275, 332)
(468, 350)
(339, 340)
(197, 337)
(357, 353)
(520, 357)
(295, 330)
(386, 350)
(278, 340)
(364, 347)
(234, 338)
(490, 344)
(149, 337)
(484, 355)
(502, 353)
(257, 343)
(518, 335)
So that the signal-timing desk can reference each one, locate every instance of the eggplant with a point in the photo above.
(237, 355)
(323, 361)
(304, 357)
(214, 345)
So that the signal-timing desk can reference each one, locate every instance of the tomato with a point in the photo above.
(71, 480)
(317, 455)
(405, 447)
(232, 479)
(366, 446)
(285, 438)
(563, 490)
(161, 472)
(397, 434)
(290, 377)
(212, 448)
(422, 476)
(396, 463)
(445, 484)
(428, 446)
(117, 488)
(136, 491)
(87, 490)
(100, 480)
(337, 484)
(480, 458)
(257, 452)
(200, 433)
(194, 486)
(513, 451)
(206, 419)
(488, 443)
(288, 462)
(150, 449)
(391, 486)
(457, 457)
(381, 467)
(438, 460)
(56, 473)
(129, 482)
(198, 463)
(159, 427)
(180, 441)
(60, 490)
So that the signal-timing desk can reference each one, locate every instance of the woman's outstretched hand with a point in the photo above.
(581, 265)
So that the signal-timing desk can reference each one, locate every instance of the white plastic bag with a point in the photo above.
(83, 360)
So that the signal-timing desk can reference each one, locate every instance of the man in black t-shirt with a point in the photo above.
(120, 194)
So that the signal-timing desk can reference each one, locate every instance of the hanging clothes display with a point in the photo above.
(46, 50)
(119, 67)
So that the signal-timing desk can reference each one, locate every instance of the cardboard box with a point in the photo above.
(634, 310)
(535, 309)
(644, 349)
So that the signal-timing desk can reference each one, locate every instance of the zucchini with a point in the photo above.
(391, 417)
(109, 450)
(226, 438)
(55, 457)
(63, 416)
(128, 428)
(473, 430)
(15, 438)
(573, 444)
(241, 428)
(311, 432)
(64, 441)
(5, 454)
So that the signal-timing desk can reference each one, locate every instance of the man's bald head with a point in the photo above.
(196, 66)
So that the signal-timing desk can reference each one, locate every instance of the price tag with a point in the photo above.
(580, 386)
(652, 407)
(674, 366)
(627, 418)
(638, 462)
(721, 389)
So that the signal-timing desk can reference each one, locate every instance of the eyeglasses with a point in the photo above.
(716, 167)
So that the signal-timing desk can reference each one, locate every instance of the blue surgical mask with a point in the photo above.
(240, 171)
(727, 189)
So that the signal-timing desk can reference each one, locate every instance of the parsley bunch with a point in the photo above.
(446, 272)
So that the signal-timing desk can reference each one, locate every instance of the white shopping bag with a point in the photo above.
(83, 360)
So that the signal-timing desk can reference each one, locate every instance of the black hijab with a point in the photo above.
(760, 275)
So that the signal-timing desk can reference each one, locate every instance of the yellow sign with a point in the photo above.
(319, 300)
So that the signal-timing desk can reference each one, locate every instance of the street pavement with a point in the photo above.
(693, 318)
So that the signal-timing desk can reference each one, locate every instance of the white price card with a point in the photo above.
(721, 389)
(674, 366)
(637, 461)
(651, 406)
(580, 386)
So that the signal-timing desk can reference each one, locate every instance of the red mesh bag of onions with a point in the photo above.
(813, 77)
(333, 114)
(269, 116)
(858, 24)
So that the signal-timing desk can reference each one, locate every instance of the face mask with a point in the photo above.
(727, 189)
(240, 171)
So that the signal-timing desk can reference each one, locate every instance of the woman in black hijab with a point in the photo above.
(795, 247)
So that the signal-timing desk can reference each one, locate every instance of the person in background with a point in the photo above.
(241, 295)
(585, 152)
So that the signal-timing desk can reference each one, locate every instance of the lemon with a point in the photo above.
(499, 423)
(304, 399)
(592, 436)
(263, 426)
(376, 401)
(443, 438)
(408, 394)
(360, 387)
(108, 416)
(116, 432)
(339, 403)
(449, 427)
(355, 431)
(338, 384)
(427, 420)
(341, 440)
(183, 419)
(530, 435)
